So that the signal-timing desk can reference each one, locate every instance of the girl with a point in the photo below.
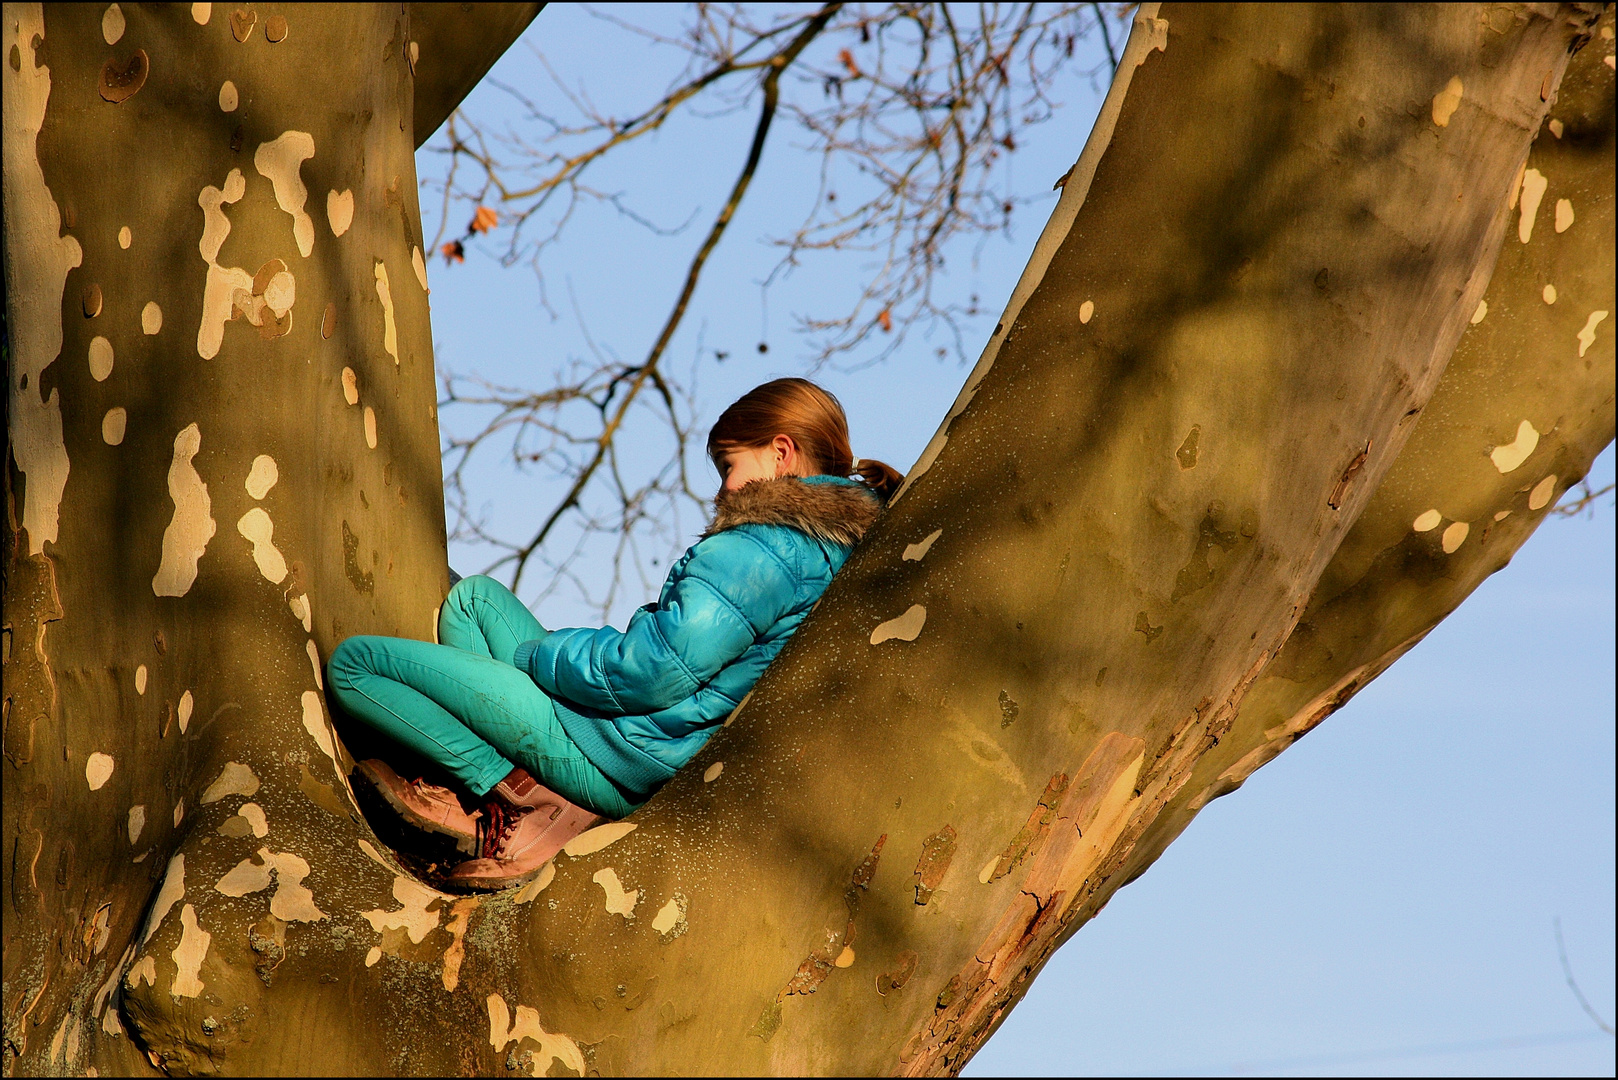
(549, 730)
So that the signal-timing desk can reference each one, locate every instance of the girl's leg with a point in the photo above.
(476, 716)
(481, 616)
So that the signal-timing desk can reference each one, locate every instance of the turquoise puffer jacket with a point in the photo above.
(641, 702)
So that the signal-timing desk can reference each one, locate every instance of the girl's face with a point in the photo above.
(779, 457)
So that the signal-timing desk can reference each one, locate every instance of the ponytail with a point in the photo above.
(811, 417)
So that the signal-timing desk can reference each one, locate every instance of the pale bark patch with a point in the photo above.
(223, 281)
(918, 551)
(370, 427)
(257, 527)
(1427, 521)
(189, 954)
(201, 13)
(1454, 537)
(1509, 457)
(1446, 101)
(1587, 336)
(234, 779)
(125, 237)
(547, 874)
(112, 24)
(593, 840)
(38, 259)
(100, 357)
(168, 895)
(113, 425)
(151, 318)
(98, 770)
(1542, 492)
(314, 662)
(228, 98)
(503, 1031)
(278, 161)
(340, 210)
(262, 476)
(390, 335)
(1534, 184)
(1548, 294)
(906, 627)
(184, 709)
(620, 901)
(1087, 311)
(140, 679)
(137, 823)
(1564, 215)
(420, 266)
(412, 916)
(1481, 313)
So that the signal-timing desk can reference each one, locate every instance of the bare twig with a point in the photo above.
(1567, 970)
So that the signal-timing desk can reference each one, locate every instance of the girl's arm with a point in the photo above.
(733, 589)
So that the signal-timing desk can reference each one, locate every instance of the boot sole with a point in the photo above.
(466, 843)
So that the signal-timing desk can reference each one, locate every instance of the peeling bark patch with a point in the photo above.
(1454, 537)
(191, 527)
(390, 335)
(112, 24)
(937, 852)
(275, 29)
(242, 22)
(351, 386)
(670, 921)
(1143, 625)
(1446, 101)
(711, 773)
(100, 358)
(189, 954)
(38, 258)
(249, 821)
(340, 210)
(120, 82)
(278, 161)
(460, 913)
(890, 981)
(223, 281)
(201, 13)
(228, 98)
(547, 874)
(1507, 458)
(593, 840)
(91, 300)
(1587, 336)
(1564, 215)
(292, 900)
(1533, 190)
(417, 913)
(172, 890)
(768, 1022)
(257, 528)
(322, 795)
(906, 627)
(183, 711)
(314, 722)
(1427, 521)
(1542, 492)
(1187, 453)
(1481, 313)
(370, 427)
(363, 581)
(314, 661)
(98, 770)
(420, 267)
(918, 551)
(262, 476)
(619, 900)
(299, 606)
(142, 971)
(503, 1031)
(1032, 835)
(328, 322)
(234, 779)
(137, 823)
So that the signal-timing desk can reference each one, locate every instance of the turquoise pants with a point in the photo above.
(464, 705)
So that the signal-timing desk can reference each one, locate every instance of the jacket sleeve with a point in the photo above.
(731, 590)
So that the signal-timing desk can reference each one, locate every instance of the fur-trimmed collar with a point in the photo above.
(827, 509)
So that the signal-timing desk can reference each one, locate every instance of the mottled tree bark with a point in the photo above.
(1217, 405)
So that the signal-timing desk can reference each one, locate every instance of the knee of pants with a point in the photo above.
(349, 659)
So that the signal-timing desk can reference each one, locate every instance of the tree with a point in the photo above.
(1216, 469)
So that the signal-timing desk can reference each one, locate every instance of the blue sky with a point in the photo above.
(1380, 900)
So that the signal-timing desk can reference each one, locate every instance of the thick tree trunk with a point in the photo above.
(1073, 629)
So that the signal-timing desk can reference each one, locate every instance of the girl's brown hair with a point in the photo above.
(810, 417)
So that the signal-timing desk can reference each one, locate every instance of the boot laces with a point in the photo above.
(499, 821)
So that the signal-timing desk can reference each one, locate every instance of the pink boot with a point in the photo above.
(524, 825)
(426, 806)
